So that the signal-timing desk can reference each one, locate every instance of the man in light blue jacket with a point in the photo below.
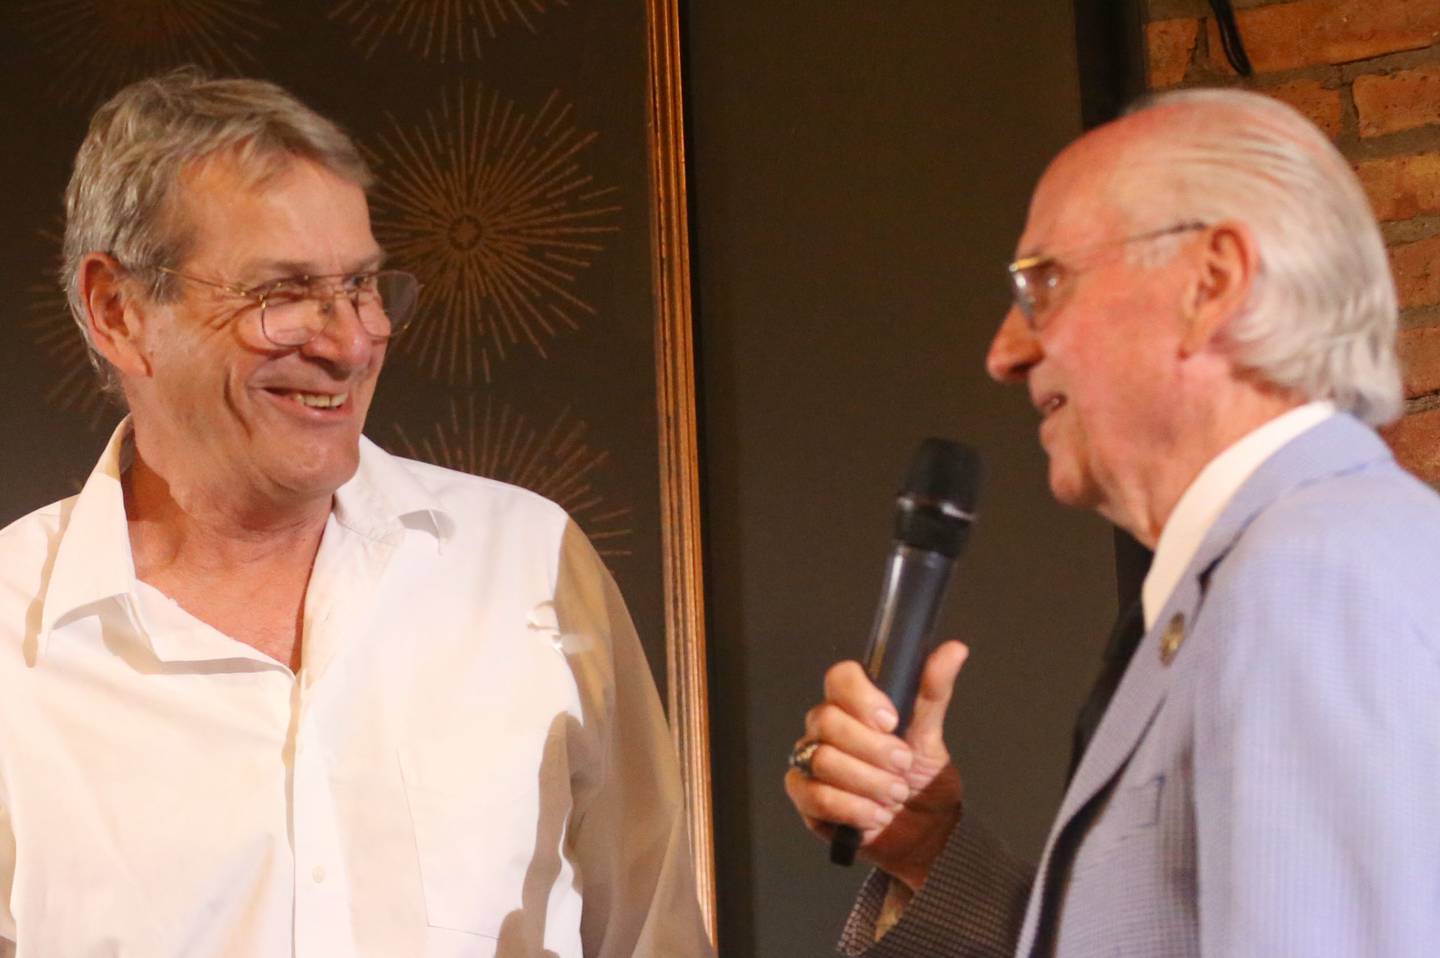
(1205, 322)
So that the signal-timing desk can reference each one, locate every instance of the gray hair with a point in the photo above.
(124, 198)
(1322, 320)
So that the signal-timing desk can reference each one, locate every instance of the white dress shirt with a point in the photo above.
(471, 761)
(1208, 494)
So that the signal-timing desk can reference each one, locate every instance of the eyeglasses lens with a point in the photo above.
(295, 313)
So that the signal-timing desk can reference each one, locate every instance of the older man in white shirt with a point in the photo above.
(265, 689)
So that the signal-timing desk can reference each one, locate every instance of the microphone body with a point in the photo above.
(933, 513)
(914, 589)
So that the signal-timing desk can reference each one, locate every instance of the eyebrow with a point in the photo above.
(290, 267)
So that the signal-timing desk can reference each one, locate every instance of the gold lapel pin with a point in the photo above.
(1173, 638)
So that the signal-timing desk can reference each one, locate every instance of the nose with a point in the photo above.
(1014, 350)
(342, 342)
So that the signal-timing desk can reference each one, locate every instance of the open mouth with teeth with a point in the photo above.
(1051, 404)
(313, 400)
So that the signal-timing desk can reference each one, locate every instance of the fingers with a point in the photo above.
(830, 723)
(823, 806)
(832, 765)
(862, 775)
(858, 771)
(847, 686)
(937, 685)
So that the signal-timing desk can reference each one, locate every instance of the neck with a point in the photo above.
(1209, 430)
(176, 527)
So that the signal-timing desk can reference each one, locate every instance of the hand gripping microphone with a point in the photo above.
(933, 512)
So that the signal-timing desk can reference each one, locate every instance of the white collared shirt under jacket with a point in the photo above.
(472, 760)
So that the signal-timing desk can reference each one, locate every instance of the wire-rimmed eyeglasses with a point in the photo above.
(1036, 282)
(296, 309)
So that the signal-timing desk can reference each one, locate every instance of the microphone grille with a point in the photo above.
(936, 504)
(946, 472)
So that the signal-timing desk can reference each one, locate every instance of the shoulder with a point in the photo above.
(492, 527)
(472, 504)
(1316, 650)
(1376, 523)
(1336, 578)
(27, 552)
(464, 491)
(32, 538)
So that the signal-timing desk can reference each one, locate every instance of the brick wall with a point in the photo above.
(1367, 72)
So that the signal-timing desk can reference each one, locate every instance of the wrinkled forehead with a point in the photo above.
(1069, 208)
(245, 167)
(1088, 192)
(296, 208)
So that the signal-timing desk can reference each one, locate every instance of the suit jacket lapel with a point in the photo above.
(1337, 445)
(1136, 701)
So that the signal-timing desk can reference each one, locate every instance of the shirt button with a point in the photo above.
(318, 873)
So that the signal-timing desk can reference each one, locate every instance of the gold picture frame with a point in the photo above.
(687, 684)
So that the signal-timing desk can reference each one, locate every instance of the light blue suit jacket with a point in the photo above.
(1266, 780)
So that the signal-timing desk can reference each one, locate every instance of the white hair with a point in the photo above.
(1322, 319)
(123, 196)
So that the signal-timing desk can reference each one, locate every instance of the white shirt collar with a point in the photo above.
(94, 563)
(1206, 497)
(384, 496)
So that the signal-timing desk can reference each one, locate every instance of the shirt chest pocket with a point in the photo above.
(477, 819)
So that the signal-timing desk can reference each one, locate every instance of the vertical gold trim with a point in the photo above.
(686, 683)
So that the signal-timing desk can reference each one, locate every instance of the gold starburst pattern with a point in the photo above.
(76, 387)
(494, 212)
(556, 463)
(437, 28)
(100, 45)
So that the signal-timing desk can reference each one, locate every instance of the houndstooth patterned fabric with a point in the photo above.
(970, 906)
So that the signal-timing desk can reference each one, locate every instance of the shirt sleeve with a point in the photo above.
(1317, 752)
(7, 884)
(628, 831)
(971, 905)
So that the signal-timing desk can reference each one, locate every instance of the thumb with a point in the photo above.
(937, 684)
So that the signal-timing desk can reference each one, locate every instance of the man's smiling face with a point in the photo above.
(220, 402)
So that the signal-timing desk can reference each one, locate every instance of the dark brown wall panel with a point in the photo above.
(860, 175)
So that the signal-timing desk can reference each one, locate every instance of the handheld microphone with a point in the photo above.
(933, 513)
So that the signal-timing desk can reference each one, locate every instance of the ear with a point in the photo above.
(1221, 287)
(112, 318)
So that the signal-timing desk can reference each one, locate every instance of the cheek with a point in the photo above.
(1074, 446)
(183, 354)
(372, 379)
